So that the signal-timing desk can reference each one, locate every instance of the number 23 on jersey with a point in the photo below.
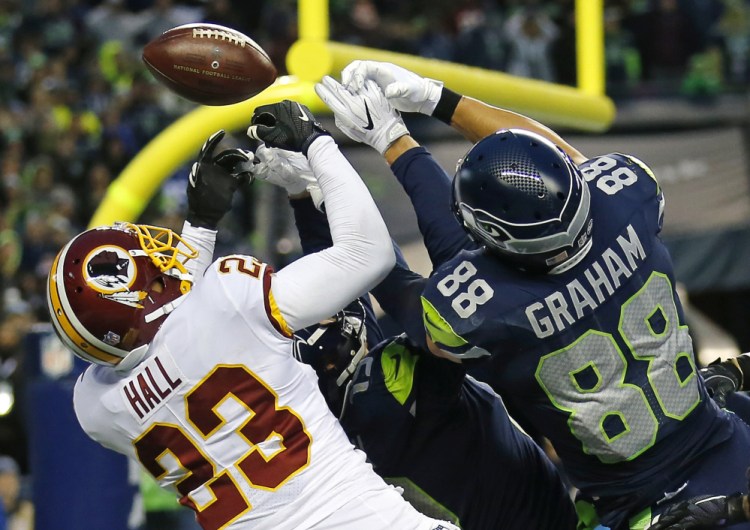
(266, 420)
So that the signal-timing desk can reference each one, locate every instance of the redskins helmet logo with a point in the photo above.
(109, 269)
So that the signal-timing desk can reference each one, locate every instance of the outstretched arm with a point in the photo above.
(315, 235)
(409, 92)
(360, 115)
(211, 185)
(398, 294)
(361, 254)
(475, 120)
(429, 189)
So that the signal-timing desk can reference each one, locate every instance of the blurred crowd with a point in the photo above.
(695, 48)
(76, 103)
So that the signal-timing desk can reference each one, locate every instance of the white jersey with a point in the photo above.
(220, 411)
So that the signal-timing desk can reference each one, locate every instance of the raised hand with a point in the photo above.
(213, 181)
(722, 378)
(704, 512)
(405, 90)
(287, 125)
(288, 170)
(363, 115)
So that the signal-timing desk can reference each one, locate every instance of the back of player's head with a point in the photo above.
(110, 288)
(334, 348)
(524, 198)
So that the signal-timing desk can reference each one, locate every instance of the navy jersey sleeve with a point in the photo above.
(399, 296)
(429, 189)
(653, 195)
(312, 226)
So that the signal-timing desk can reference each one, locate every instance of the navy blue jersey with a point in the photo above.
(597, 358)
(442, 436)
(448, 441)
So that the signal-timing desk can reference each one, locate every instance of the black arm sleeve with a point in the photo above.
(429, 189)
(399, 294)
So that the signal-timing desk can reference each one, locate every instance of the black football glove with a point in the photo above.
(722, 378)
(704, 512)
(288, 125)
(213, 181)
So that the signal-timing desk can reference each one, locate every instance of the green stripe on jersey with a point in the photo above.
(398, 365)
(438, 329)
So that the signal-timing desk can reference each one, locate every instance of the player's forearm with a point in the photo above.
(476, 119)
(399, 297)
(398, 148)
(353, 216)
(318, 285)
(429, 189)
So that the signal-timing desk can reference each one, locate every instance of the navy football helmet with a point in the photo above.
(334, 348)
(524, 198)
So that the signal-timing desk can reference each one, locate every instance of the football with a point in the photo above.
(209, 64)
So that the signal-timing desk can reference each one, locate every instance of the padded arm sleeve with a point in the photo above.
(429, 189)
(204, 241)
(317, 285)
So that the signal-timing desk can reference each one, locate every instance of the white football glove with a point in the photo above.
(365, 115)
(405, 90)
(287, 169)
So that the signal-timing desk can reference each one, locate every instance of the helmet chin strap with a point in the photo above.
(165, 309)
(137, 354)
(349, 370)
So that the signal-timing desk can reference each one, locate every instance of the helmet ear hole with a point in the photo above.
(158, 285)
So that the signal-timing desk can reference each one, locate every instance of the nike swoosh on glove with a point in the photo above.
(364, 115)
